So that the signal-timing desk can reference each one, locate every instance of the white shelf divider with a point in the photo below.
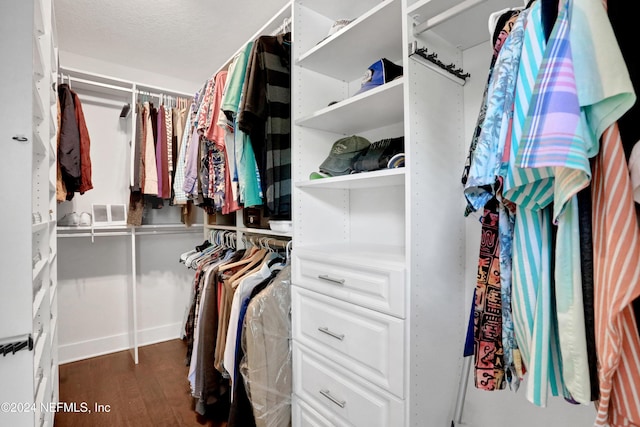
(374, 108)
(374, 35)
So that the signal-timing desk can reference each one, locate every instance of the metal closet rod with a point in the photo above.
(140, 87)
(445, 16)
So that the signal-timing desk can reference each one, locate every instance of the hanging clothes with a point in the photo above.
(61, 191)
(617, 283)
(150, 182)
(267, 363)
(69, 151)
(482, 182)
(267, 119)
(85, 147)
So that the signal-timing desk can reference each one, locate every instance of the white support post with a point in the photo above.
(134, 292)
(132, 145)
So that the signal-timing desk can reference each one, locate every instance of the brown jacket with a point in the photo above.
(85, 147)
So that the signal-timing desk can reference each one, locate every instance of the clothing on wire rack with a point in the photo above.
(238, 332)
(157, 138)
(557, 89)
(74, 146)
(236, 148)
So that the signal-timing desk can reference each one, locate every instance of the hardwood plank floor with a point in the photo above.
(153, 393)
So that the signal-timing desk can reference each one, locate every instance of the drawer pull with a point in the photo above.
(331, 279)
(327, 394)
(326, 330)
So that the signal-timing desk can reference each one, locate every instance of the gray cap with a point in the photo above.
(344, 153)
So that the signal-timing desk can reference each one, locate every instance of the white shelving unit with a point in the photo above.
(380, 246)
(28, 134)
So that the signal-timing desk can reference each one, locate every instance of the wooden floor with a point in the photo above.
(153, 393)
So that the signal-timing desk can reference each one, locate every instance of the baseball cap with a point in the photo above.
(380, 72)
(378, 154)
(344, 153)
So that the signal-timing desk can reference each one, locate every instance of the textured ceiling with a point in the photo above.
(187, 39)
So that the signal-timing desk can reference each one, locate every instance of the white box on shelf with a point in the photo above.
(109, 214)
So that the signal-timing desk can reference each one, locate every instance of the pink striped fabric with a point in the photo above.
(616, 245)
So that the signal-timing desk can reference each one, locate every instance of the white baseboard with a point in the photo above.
(110, 344)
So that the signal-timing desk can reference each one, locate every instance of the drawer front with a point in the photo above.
(305, 416)
(381, 289)
(340, 396)
(367, 343)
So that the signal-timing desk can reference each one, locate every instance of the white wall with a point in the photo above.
(94, 283)
(501, 408)
(93, 65)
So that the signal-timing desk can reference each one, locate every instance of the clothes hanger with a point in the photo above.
(255, 260)
(250, 256)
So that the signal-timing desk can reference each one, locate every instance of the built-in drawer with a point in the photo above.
(340, 396)
(380, 288)
(367, 343)
(305, 416)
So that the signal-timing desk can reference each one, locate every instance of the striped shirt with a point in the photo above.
(532, 303)
(265, 115)
(554, 136)
(180, 197)
(616, 237)
(616, 243)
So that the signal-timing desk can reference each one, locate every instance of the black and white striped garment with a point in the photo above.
(265, 115)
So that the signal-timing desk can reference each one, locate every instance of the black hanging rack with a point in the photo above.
(13, 347)
(424, 54)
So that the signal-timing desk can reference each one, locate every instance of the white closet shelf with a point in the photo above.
(375, 179)
(347, 54)
(41, 388)
(340, 9)
(374, 108)
(52, 294)
(37, 301)
(38, 18)
(39, 147)
(53, 131)
(38, 107)
(38, 59)
(125, 230)
(54, 324)
(220, 227)
(39, 268)
(266, 232)
(39, 227)
(462, 22)
(52, 257)
(40, 341)
(248, 230)
(364, 254)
